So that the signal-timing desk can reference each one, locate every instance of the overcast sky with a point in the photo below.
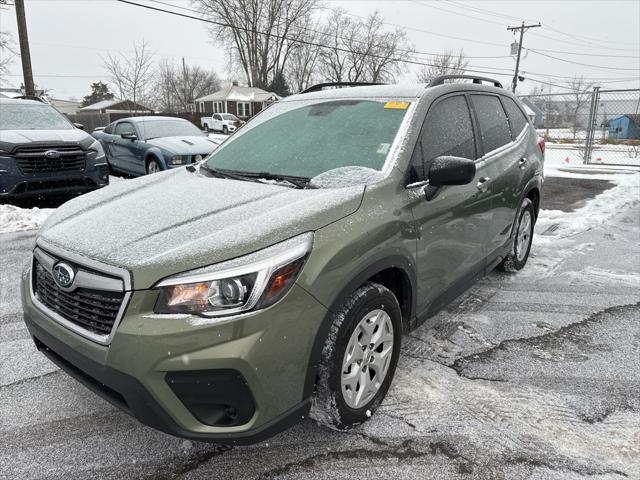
(68, 37)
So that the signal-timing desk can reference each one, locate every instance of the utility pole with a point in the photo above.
(523, 28)
(25, 56)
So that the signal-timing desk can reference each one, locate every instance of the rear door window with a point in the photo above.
(517, 119)
(447, 130)
(494, 126)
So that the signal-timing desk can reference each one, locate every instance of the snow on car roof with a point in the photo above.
(377, 91)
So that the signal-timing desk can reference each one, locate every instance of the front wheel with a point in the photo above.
(517, 257)
(225, 130)
(153, 166)
(359, 358)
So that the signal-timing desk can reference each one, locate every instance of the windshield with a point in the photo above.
(228, 116)
(315, 138)
(31, 116)
(167, 128)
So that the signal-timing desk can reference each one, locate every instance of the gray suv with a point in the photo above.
(227, 300)
(42, 153)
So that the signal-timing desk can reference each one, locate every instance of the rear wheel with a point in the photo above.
(359, 358)
(153, 166)
(517, 258)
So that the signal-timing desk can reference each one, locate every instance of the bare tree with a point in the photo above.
(361, 50)
(581, 91)
(302, 66)
(449, 63)
(179, 85)
(261, 32)
(131, 76)
(7, 53)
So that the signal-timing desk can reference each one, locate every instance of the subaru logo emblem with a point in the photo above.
(63, 274)
(52, 154)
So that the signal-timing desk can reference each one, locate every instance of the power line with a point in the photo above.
(601, 67)
(305, 42)
(582, 38)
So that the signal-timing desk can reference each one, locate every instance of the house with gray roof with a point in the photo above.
(243, 102)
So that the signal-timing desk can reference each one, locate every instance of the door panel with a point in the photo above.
(452, 227)
(126, 150)
(500, 162)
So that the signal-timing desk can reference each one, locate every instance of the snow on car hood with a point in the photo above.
(185, 145)
(177, 220)
(27, 136)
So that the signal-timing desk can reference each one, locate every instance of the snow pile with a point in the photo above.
(16, 219)
(596, 212)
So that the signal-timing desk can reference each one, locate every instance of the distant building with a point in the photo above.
(243, 102)
(65, 106)
(625, 127)
(116, 106)
(532, 108)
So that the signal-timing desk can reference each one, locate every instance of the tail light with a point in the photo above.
(541, 144)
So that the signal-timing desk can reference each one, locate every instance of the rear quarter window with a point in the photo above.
(517, 119)
(494, 126)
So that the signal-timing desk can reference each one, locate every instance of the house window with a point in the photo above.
(218, 107)
(202, 107)
(244, 109)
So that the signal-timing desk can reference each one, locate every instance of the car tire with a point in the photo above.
(225, 130)
(153, 166)
(207, 129)
(517, 257)
(349, 388)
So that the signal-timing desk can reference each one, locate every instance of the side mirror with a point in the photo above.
(447, 170)
(129, 136)
(79, 125)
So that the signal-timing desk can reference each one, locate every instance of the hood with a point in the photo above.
(11, 138)
(178, 220)
(184, 145)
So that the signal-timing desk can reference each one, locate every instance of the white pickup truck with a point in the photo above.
(220, 122)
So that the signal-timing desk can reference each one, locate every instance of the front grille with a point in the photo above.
(32, 160)
(93, 310)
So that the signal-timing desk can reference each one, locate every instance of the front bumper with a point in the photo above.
(16, 185)
(269, 350)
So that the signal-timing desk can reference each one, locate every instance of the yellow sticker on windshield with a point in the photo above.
(397, 105)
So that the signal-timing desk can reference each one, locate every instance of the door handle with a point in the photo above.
(483, 183)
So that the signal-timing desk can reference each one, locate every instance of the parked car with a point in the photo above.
(221, 122)
(140, 145)
(43, 154)
(278, 276)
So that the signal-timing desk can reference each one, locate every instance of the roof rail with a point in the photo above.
(440, 80)
(323, 86)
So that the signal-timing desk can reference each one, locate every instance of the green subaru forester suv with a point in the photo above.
(226, 301)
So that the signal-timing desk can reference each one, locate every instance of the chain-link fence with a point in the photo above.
(597, 127)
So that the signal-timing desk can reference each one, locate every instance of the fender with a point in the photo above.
(157, 153)
(401, 262)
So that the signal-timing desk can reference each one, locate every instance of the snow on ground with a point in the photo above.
(17, 219)
(573, 154)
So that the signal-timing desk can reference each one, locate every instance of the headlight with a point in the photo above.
(177, 160)
(96, 150)
(243, 284)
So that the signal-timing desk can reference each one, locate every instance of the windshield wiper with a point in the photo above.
(297, 182)
(226, 173)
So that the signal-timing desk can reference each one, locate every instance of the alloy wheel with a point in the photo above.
(523, 236)
(367, 358)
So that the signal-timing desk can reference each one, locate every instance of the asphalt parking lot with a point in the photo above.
(534, 375)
